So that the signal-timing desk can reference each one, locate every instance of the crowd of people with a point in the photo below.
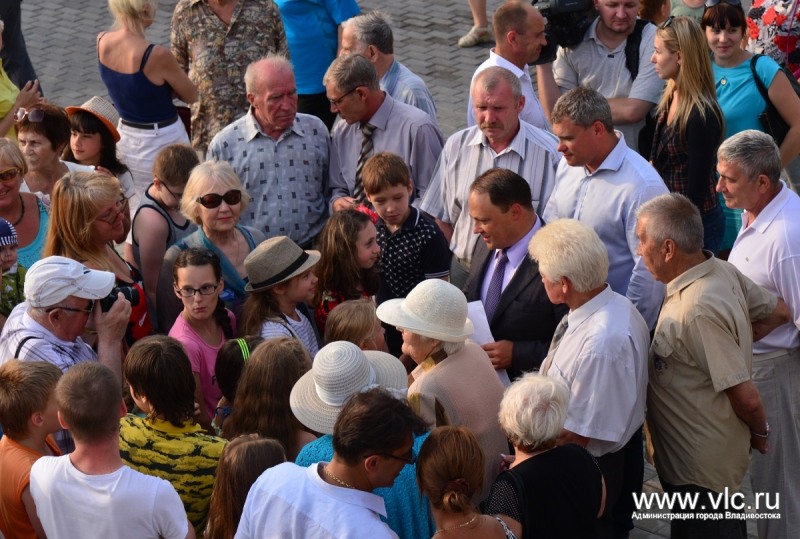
(289, 306)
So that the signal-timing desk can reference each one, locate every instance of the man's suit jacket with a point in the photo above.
(524, 314)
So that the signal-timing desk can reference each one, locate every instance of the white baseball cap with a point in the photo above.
(55, 278)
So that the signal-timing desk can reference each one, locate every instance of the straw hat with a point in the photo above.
(103, 110)
(340, 370)
(434, 309)
(275, 261)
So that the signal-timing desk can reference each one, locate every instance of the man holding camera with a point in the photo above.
(61, 296)
(600, 61)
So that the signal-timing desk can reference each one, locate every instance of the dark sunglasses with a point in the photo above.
(33, 115)
(213, 200)
(412, 459)
(9, 174)
(668, 22)
(712, 3)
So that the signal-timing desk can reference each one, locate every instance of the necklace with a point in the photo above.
(462, 525)
(22, 211)
(342, 483)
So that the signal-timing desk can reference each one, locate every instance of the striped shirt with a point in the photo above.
(532, 154)
(297, 329)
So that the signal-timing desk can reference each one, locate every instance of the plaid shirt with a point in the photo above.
(686, 161)
(215, 56)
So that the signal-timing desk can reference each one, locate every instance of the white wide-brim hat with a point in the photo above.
(434, 308)
(340, 370)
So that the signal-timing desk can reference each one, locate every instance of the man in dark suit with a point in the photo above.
(504, 278)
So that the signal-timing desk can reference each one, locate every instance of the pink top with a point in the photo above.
(203, 358)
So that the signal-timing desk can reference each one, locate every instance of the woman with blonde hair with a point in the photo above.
(690, 123)
(244, 459)
(213, 199)
(25, 211)
(450, 474)
(86, 214)
(141, 79)
(355, 321)
(262, 397)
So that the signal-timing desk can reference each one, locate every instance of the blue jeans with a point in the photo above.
(713, 229)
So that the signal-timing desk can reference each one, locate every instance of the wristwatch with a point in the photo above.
(765, 435)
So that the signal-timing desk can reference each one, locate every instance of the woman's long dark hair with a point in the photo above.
(194, 256)
(88, 124)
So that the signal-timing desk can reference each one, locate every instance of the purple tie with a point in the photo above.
(495, 286)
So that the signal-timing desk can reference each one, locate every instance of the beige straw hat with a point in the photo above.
(341, 369)
(103, 110)
(275, 261)
(434, 309)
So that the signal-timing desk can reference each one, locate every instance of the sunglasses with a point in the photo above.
(33, 115)
(213, 200)
(119, 207)
(712, 3)
(408, 460)
(668, 22)
(10, 174)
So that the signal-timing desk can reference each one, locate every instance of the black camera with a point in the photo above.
(130, 293)
(567, 22)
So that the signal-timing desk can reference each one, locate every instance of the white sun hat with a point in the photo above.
(434, 308)
(340, 370)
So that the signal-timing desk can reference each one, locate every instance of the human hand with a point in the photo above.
(759, 443)
(500, 353)
(344, 203)
(506, 461)
(29, 95)
(111, 325)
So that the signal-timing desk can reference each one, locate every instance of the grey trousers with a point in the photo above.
(777, 377)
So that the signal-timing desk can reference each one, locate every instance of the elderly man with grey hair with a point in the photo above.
(371, 36)
(704, 412)
(498, 140)
(280, 155)
(563, 488)
(602, 182)
(599, 348)
(373, 122)
(767, 251)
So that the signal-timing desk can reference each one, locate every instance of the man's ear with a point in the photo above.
(61, 421)
(371, 463)
(251, 99)
(123, 408)
(670, 249)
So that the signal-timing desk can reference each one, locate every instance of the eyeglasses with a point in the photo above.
(335, 102)
(119, 207)
(671, 18)
(712, 3)
(10, 174)
(411, 459)
(189, 292)
(213, 200)
(176, 196)
(87, 310)
(33, 115)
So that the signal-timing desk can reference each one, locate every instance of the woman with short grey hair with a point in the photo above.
(552, 490)
(454, 382)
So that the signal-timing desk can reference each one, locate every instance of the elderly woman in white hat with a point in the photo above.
(340, 370)
(454, 379)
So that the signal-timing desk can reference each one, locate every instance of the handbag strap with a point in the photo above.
(759, 84)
